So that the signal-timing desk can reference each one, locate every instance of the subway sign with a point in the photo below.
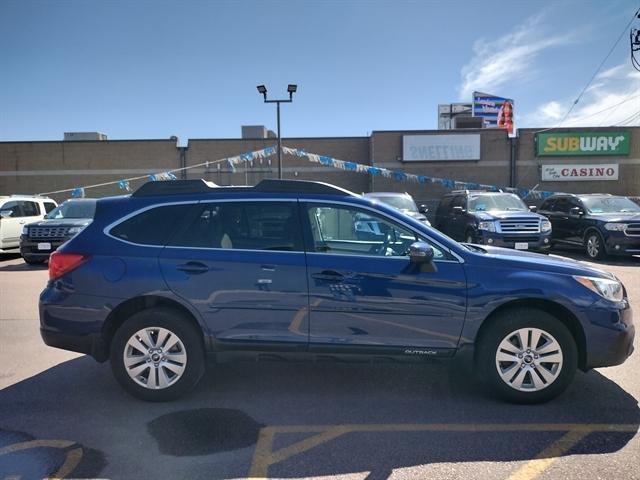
(582, 143)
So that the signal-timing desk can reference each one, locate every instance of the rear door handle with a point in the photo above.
(193, 268)
(328, 276)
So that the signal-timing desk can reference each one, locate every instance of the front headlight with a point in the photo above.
(488, 226)
(615, 227)
(609, 289)
(25, 230)
(74, 230)
(545, 226)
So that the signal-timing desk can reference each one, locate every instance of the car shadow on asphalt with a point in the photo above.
(412, 415)
(23, 267)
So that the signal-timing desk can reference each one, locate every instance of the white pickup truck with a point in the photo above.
(15, 212)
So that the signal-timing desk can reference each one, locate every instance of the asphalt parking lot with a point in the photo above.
(63, 416)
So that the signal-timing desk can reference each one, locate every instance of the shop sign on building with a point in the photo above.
(569, 173)
(434, 148)
(582, 143)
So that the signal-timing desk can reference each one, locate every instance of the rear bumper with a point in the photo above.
(87, 344)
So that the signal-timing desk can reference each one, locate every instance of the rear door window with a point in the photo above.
(30, 209)
(271, 226)
(152, 226)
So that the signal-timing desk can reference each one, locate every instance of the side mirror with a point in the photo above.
(422, 208)
(533, 208)
(576, 211)
(420, 252)
(458, 210)
(5, 214)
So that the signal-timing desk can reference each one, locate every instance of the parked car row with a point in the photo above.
(600, 224)
(36, 226)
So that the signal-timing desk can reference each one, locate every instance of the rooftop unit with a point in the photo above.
(84, 136)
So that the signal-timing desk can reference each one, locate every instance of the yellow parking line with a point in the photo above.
(69, 465)
(548, 456)
(264, 456)
(16, 447)
(71, 461)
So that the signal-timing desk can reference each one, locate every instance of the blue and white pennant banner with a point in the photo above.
(401, 176)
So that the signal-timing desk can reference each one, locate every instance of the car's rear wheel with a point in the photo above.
(594, 246)
(157, 355)
(527, 356)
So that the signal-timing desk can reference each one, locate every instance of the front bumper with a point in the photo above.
(540, 242)
(30, 247)
(617, 243)
(610, 337)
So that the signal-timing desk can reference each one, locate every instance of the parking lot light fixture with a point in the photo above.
(291, 89)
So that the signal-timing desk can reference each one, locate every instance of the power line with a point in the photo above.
(628, 98)
(615, 106)
(600, 66)
(629, 120)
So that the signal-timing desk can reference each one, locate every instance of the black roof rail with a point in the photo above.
(186, 187)
(173, 187)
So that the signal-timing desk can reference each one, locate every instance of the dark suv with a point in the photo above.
(492, 218)
(601, 224)
(181, 269)
(40, 238)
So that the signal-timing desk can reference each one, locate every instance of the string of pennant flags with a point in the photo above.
(324, 160)
(401, 176)
(125, 183)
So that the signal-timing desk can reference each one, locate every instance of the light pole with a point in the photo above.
(263, 91)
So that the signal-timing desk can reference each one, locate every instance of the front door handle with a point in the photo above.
(193, 268)
(330, 276)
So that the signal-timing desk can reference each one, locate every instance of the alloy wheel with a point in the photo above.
(593, 246)
(529, 359)
(155, 358)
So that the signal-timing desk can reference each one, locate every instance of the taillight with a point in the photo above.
(61, 263)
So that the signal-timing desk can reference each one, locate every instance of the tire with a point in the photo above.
(594, 245)
(175, 370)
(536, 382)
(33, 261)
(469, 237)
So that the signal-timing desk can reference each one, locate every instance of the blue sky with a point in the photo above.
(136, 69)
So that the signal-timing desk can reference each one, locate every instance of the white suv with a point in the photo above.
(15, 212)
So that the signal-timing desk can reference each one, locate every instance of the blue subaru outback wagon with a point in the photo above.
(181, 270)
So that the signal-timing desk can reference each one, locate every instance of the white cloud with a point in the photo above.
(510, 57)
(614, 99)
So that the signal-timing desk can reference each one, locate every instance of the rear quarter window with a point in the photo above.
(153, 226)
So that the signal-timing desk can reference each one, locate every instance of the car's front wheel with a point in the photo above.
(157, 355)
(594, 246)
(527, 356)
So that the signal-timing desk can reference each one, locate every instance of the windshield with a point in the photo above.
(71, 209)
(401, 202)
(484, 203)
(610, 205)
